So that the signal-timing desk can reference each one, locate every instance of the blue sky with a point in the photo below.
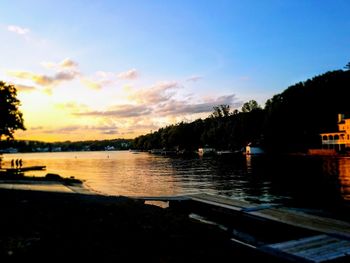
(192, 54)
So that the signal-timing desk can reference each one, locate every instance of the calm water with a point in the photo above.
(300, 181)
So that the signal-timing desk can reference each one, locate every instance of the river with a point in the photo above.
(302, 181)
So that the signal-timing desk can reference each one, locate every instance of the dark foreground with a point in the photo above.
(44, 226)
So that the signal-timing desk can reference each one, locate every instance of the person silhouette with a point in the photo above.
(20, 162)
(17, 163)
(12, 163)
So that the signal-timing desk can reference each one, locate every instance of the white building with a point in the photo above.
(339, 140)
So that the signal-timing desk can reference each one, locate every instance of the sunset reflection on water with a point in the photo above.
(297, 180)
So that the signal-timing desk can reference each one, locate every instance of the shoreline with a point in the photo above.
(51, 224)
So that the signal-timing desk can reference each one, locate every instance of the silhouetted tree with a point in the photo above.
(296, 117)
(222, 110)
(250, 106)
(347, 66)
(291, 121)
(11, 118)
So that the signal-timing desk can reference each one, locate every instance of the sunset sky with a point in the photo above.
(113, 69)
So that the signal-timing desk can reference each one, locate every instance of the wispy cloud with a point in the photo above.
(25, 88)
(194, 78)
(99, 80)
(120, 111)
(18, 30)
(170, 108)
(129, 75)
(159, 92)
(35, 128)
(176, 107)
(66, 63)
(95, 85)
(72, 129)
(45, 80)
(110, 132)
(72, 106)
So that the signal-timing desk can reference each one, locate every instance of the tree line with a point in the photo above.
(289, 122)
(66, 146)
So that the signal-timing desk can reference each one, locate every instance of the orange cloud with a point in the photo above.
(25, 88)
(44, 80)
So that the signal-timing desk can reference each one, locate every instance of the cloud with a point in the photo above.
(65, 64)
(99, 80)
(120, 111)
(175, 107)
(72, 106)
(67, 129)
(170, 108)
(36, 128)
(194, 78)
(45, 80)
(71, 129)
(95, 85)
(158, 93)
(68, 63)
(128, 75)
(18, 30)
(25, 88)
(110, 132)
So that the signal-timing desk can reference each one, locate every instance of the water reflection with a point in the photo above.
(293, 180)
(339, 170)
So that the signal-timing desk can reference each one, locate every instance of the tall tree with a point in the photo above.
(11, 118)
(220, 111)
(250, 106)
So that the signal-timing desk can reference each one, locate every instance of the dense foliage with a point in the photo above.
(295, 117)
(222, 130)
(10, 117)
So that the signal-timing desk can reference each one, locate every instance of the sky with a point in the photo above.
(93, 70)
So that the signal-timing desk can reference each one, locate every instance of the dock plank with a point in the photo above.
(221, 201)
(308, 221)
(279, 214)
(316, 249)
(161, 198)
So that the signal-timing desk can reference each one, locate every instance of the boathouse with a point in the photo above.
(339, 140)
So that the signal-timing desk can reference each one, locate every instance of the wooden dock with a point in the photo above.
(279, 214)
(23, 169)
(285, 233)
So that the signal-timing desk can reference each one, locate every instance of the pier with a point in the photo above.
(284, 233)
(23, 169)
